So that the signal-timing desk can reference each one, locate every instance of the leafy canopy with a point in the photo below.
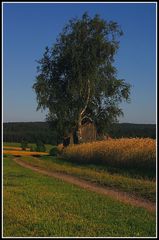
(76, 77)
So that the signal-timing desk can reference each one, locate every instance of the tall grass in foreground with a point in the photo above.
(120, 153)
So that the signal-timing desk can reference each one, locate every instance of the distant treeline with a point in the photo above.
(133, 130)
(31, 132)
(40, 131)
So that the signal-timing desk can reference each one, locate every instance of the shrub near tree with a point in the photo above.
(24, 145)
(31, 149)
(40, 147)
(53, 151)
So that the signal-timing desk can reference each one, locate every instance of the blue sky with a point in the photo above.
(29, 28)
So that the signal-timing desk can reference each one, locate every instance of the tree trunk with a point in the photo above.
(79, 128)
(75, 136)
(82, 113)
(66, 141)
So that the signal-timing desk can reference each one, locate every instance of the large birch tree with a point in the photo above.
(76, 78)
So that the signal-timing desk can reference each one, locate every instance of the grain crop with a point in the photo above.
(136, 153)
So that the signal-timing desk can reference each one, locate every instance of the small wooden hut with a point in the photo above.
(88, 131)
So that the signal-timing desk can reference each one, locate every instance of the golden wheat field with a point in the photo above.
(17, 151)
(22, 153)
(123, 152)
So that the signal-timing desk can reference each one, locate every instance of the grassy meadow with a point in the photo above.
(35, 205)
(38, 206)
(131, 183)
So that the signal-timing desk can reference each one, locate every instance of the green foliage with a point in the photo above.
(76, 77)
(24, 145)
(31, 131)
(133, 130)
(40, 147)
(32, 149)
(53, 151)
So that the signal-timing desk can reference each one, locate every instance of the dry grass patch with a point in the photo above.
(23, 153)
(14, 148)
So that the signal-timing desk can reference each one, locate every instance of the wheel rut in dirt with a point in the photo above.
(116, 194)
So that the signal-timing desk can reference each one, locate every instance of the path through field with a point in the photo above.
(120, 196)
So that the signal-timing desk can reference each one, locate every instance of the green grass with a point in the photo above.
(122, 181)
(39, 206)
(12, 144)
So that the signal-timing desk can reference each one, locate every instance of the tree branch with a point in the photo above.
(87, 100)
(86, 117)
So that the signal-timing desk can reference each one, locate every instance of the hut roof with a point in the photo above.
(86, 120)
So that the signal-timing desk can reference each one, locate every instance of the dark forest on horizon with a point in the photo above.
(35, 131)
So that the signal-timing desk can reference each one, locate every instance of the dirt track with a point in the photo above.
(118, 195)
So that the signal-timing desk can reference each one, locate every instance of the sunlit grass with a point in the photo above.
(39, 206)
(133, 184)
